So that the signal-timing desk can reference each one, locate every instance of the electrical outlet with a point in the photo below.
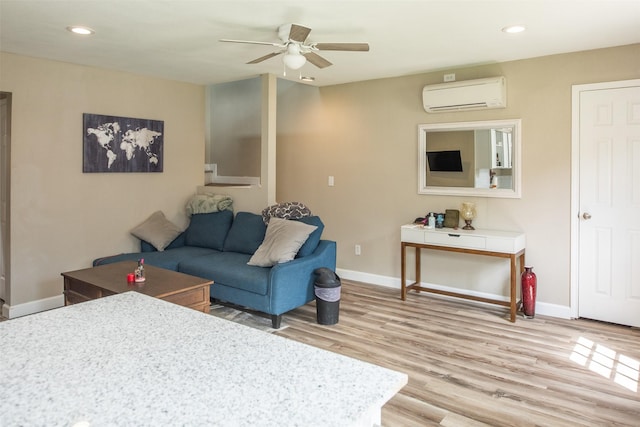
(331, 181)
(450, 77)
(358, 250)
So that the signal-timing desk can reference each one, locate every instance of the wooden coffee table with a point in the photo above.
(110, 279)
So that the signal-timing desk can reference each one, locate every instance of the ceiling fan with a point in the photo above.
(297, 51)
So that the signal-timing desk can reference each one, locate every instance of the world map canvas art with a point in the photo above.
(122, 144)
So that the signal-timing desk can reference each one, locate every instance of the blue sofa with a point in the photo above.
(217, 246)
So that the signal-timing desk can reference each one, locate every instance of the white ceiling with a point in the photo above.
(178, 40)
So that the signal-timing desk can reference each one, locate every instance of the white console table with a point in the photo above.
(501, 244)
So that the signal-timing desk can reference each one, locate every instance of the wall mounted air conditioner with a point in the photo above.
(465, 95)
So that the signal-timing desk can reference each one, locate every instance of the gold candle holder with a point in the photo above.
(468, 213)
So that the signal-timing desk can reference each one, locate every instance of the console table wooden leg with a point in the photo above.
(521, 258)
(403, 268)
(512, 300)
(418, 269)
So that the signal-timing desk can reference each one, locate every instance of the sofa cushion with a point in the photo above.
(169, 258)
(246, 234)
(314, 238)
(157, 230)
(230, 269)
(209, 230)
(281, 243)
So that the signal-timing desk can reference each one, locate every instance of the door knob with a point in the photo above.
(586, 215)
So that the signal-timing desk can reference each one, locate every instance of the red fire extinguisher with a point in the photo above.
(529, 284)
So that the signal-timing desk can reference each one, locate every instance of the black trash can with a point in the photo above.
(327, 291)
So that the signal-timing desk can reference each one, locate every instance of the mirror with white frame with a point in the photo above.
(470, 158)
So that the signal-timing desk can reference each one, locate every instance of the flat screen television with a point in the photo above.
(444, 161)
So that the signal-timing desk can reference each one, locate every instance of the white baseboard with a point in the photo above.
(542, 308)
(31, 307)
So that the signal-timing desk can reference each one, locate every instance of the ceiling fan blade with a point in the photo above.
(250, 42)
(264, 58)
(317, 60)
(352, 47)
(298, 33)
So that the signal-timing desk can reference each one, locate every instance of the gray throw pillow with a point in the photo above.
(157, 230)
(281, 242)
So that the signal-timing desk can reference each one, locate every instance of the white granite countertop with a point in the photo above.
(130, 359)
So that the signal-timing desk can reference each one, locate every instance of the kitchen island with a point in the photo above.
(130, 359)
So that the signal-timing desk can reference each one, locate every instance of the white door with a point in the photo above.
(609, 204)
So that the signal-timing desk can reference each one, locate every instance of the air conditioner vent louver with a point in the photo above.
(465, 95)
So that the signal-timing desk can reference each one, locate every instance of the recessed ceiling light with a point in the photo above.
(83, 31)
(513, 29)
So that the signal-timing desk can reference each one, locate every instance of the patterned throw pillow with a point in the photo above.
(285, 210)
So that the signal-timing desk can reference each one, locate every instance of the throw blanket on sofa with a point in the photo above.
(286, 210)
(208, 203)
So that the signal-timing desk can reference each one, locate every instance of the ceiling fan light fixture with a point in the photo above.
(297, 49)
(294, 60)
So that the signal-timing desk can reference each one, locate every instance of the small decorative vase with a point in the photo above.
(468, 213)
(529, 285)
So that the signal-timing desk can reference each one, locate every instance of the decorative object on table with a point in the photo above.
(468, 213)
(122, 144)
(431, 220)
(529, 285)
(451, 218)
(421, 221)
(439, 220)
(140, 271)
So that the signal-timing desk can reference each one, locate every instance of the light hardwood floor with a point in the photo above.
(469, 366)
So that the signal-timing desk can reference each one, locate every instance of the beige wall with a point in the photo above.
(61, 219)
(364, 134)
(369, 144)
